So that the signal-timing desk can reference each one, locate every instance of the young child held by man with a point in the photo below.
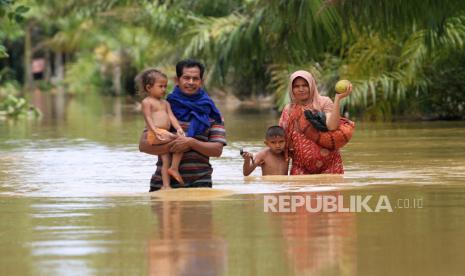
(159, 118)
(272, 159)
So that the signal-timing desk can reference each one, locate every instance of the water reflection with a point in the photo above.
(319, 243)
(73, 198)
(185, 242)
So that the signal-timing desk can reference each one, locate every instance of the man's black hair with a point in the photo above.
(274, 131)
(189, 63)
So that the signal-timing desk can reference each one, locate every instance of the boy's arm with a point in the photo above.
(173, 119)
(249, 165)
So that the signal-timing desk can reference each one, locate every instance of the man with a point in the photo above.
(201, 121)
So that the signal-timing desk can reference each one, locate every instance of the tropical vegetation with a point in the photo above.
(405, 58)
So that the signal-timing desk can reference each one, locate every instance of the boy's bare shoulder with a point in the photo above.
(262, 154)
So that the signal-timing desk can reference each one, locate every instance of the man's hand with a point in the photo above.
(181, 144)
(164, 135)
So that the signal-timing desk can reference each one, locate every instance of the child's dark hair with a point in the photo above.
(189, 63)
(274, 131)
(148, 77)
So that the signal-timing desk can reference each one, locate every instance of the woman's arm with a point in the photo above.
(333, 117)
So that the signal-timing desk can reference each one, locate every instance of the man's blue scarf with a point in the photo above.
(195, 109)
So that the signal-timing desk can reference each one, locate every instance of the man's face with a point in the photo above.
(190, 80)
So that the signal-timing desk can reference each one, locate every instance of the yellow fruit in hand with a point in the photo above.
(341, 86)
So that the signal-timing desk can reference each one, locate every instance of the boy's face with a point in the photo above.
(158, 89)
(276, 144)
(190, 80)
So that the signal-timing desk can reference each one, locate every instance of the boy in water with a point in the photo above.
(159, 118)
(271, 159)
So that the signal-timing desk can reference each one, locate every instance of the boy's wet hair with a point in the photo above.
(189, 63)
(148, 77)
(274, 131)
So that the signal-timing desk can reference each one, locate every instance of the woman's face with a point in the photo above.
(301, 90)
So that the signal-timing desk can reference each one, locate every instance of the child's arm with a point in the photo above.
(249, 164)
(174, 121)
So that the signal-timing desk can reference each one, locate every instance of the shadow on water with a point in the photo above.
(73, 198)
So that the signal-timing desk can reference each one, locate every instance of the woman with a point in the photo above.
(308, 157)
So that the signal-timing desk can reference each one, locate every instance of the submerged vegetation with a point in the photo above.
(405, 58)
(14, 107)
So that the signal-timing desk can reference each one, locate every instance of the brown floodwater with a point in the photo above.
(74, 201)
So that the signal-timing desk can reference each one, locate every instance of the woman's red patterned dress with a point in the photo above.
(307, 156)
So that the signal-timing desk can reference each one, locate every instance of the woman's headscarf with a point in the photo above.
(318, 102)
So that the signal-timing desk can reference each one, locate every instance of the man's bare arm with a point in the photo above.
(183, 144)
(145, 147)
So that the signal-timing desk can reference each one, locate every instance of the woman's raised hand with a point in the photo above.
(345, 94)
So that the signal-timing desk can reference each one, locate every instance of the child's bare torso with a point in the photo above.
(272, 164)
(159, 112)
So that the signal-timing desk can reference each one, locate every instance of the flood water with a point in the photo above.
(74, 201)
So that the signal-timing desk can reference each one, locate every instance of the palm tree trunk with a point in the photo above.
(59, 68)
(48, 67)
(117, 79)
(28, 78)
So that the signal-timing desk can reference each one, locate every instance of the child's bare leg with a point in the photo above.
(174, 169)
(164, 171)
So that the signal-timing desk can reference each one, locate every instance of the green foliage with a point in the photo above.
(83, 76)
(398, 16)
(3, 52)
(445, 98)
(14, 107)
(389, 72)
(393, 51)
(12, 13)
